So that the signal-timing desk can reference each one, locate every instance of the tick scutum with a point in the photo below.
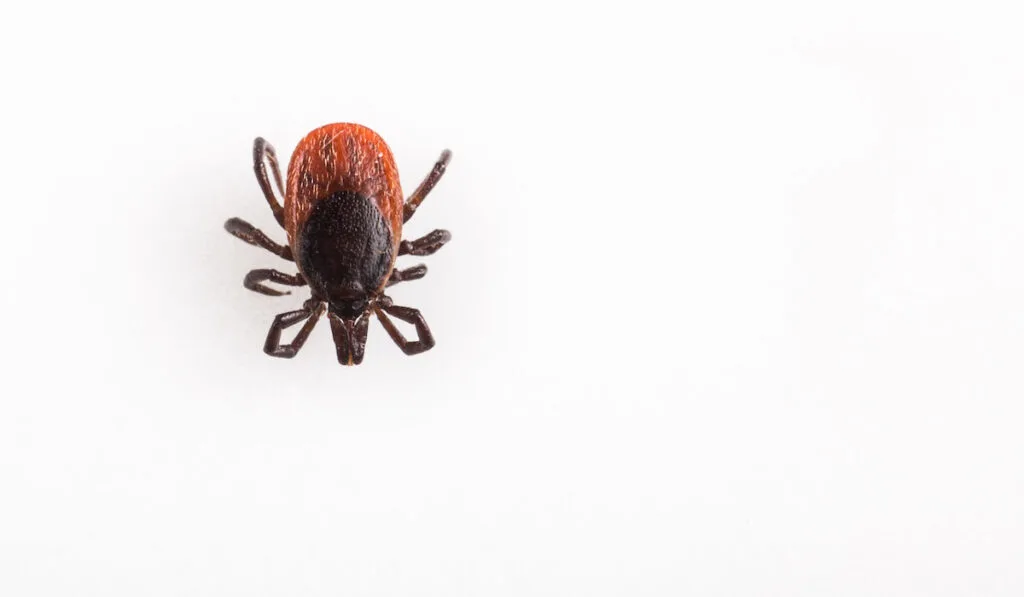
(345, 251)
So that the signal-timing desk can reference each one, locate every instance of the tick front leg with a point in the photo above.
(424, 340)
(410, 273)
(254, 236)
(263, 152)
(427, 185)
(427, 245)
(273, 345)
(254, 281)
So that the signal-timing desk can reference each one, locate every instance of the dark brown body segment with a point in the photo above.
(343, 160)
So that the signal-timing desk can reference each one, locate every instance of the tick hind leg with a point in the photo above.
(427, 185)
(254, 236)
(273, 345)
(262, 153)
(254, 281)
(424, 339)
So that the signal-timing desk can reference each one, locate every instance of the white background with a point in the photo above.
(733, 306)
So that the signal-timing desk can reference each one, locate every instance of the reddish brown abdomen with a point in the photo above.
(342, 158)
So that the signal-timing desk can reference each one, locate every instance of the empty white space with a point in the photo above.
(733, 304)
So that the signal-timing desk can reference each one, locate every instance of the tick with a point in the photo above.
(343, 214)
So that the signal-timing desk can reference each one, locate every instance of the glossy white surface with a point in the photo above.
(734, 303)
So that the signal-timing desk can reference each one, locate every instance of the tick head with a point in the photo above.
(349, 337)
(348, 300)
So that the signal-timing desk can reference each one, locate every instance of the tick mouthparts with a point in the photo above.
(349, 338)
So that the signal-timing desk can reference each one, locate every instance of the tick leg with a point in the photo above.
(349, 338)
(255, 278)
(410, 273)
(424, 340)
(263, 152)
(254, 236)
(428, 183)
(427, 245)
(273, 345)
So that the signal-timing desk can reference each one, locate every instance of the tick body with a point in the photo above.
(343, 214)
